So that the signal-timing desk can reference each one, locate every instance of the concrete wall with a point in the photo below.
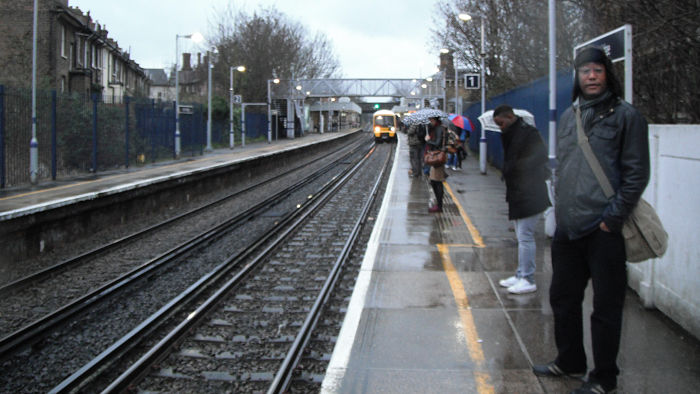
(672, 283)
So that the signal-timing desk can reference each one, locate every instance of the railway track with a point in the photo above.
(44, 338)
(256, 325)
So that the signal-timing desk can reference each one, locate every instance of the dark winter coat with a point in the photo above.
(619, 137)
(524, 170)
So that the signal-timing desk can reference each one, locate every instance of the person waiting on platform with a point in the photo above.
(588, 241)
(416, 147)
(434, 140)
(525, 172)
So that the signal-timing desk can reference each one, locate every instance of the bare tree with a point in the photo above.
(516, 37)
(268, 44)
(666, 45)
(666, 52)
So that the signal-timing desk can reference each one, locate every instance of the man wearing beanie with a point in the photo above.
(588, 243)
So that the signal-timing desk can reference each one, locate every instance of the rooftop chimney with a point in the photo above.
(186, 66)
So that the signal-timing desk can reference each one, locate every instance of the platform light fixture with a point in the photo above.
(231, 137)
(196, 38)
(482, 141)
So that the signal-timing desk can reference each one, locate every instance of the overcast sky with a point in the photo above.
(400, 28)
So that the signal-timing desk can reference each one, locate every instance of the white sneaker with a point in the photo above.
(508, 282)
(522, 286)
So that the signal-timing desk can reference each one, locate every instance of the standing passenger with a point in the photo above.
(416, 147)
(434, 139)
(524, 170)
(588, 243)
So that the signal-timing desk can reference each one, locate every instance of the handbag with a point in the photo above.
(643, 232)
(436, 157)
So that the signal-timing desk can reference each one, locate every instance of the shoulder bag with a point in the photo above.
(436, 157)
(645, 237)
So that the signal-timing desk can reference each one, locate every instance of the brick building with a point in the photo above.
(74, 53)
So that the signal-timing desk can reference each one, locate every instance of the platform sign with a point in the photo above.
(617, 44)
(472, 81)
(186, 110)
(237, 99)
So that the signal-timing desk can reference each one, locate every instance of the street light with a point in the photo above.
(197, 38)
(210, 65)
(482, 142)
(230, 112)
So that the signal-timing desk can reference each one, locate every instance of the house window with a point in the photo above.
(63, 84)
(78, 58)
(85, 53)
(63, 41)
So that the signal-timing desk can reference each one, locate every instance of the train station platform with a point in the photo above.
(427, 314)
(31, 199)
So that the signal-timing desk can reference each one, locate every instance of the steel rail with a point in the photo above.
(36, 330)
(141, 367)
(23, 282)
(281, 380)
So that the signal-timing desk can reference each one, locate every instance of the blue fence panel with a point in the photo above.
(533, 97)
(255, 125)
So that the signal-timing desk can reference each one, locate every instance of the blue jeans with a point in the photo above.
(452, 160)
(525, 232)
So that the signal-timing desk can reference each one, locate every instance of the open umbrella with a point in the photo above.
(462, 122)
(423, 116)
(487, 122)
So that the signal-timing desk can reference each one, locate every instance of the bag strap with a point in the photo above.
(591, 158)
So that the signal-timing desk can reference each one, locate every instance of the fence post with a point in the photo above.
(94, 133)
(177, 125)
(53, 135)
(152, 130)
(2, 136)
(126, 129)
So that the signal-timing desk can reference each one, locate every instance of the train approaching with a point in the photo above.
(384, 125)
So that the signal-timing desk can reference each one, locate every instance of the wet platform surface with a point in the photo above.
(31, 199)
(428, 316)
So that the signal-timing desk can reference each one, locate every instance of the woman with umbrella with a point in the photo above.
(434, 141)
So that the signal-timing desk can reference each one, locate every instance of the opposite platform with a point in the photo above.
(427, 314)
(30, 200)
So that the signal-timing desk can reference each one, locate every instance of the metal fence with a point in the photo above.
(533, 97)
(80, 135)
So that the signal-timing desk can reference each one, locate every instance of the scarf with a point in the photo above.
(588, 108)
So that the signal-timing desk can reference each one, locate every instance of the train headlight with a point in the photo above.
(393, 129)
(377, 129)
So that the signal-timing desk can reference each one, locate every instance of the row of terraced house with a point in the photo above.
(74, 53)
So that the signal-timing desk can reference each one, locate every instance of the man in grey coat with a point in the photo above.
(588, 243)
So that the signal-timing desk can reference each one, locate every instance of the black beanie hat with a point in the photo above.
(594, 54)
(591, 54)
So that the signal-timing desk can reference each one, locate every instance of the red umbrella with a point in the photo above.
(462, 122)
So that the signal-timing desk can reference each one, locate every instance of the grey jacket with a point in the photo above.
(619, 138)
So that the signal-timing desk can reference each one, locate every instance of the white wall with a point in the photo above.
(672, 283)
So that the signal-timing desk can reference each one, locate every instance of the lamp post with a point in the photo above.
(34, 144)
(210, 65)
(231, 138)
(482, 140)
(196, 37)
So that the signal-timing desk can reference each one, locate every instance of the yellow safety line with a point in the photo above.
(475, 351)
(47, 190)
(87, 182)
(472, 229)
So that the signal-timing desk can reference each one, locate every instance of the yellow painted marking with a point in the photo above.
(46, 190)
(475, 351)
(470, 226)
(86, 182)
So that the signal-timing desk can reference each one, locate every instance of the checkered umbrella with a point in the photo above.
(423, 116)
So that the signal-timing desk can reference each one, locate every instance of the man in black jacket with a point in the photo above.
(524, 172)
(588, 243)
